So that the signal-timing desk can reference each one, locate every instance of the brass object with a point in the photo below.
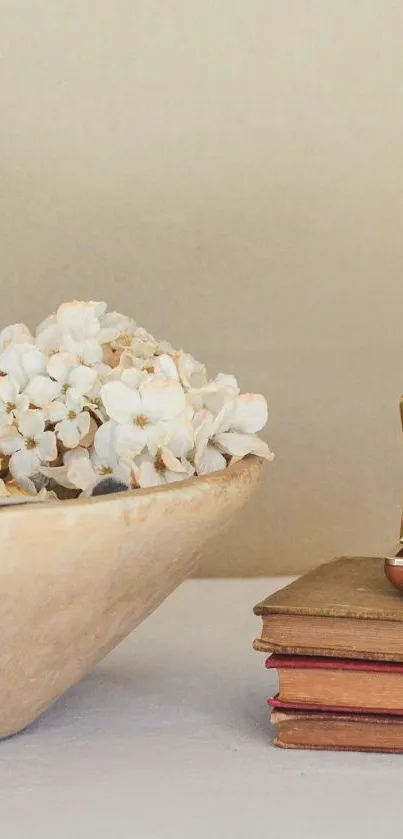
(394, 570)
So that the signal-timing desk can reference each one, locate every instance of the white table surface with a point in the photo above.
(169, 737)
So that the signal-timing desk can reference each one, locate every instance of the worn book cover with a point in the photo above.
(334, 684)
(345, 608)
(276, 702)
(346, 732)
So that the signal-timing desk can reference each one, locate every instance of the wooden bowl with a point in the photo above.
(78, 576)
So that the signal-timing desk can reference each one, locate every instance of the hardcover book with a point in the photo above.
(344, 609)
(334, 684)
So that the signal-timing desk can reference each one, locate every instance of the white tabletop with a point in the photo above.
(170, 737)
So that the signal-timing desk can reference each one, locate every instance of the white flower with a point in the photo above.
(104, 456)
(76, 328)
(143, 414)
(22, 361)
(162, 468)
(120, 403)
(192, 373)
(215, 394)
(66, 369)
(247, 415)
(72, 421)
(231, 432)
(80, 327)
(41, 390)
(30, 446)
(130, 377)
(135, 341)
(102, 373)
(82, 469)
(165, 366)
(180, 438)
(103, 460)
(113, 325)
(17, 333)
(48, 335)
(207, 458)
(12, 402)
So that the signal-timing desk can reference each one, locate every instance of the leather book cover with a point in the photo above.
(341, 732)
(348, 587)
(301, 662)
(275, 702)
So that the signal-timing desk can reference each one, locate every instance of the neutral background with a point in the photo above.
(231, 174)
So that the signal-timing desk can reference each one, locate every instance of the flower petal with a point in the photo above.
(82, 379)
(83, 423)
(80, 319)
(224, 419)
(56, 411)
(157, 436)
(49, 338)
(57, 474)
(209, 460)
(41, 390)
(60, 365)
(181, 436)
(146, 474)
(47, 448)
(121, 403)
(227, 381)
(17, 333)
(6, 418)
(130, 440)
(88, 350)
(165, 366)
(162, 398)
(21, 404)
(203, 429)
(11, 362)
(104, 440)
(215, 399)
(131, 378)
(33, 362)
(250, 413)
(32, 424)
(13, 443)
(68, 432)
(240, 445)
(192, 372)
(112, 325)
(87, 439)
(24, 463)
(74, 401)
(9, 389)
(79, 469)
(171, 462)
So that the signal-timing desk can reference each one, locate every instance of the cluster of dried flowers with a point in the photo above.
(91, 395)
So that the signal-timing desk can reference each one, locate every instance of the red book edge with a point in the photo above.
(275, 702)
(302, 662)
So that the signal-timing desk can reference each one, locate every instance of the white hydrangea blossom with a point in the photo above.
(93, 395)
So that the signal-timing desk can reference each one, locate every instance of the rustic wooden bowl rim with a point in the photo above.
(224, 476)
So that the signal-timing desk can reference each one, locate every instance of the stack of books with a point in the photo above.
(336, 638)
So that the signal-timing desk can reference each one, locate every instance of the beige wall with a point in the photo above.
(231, 173)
